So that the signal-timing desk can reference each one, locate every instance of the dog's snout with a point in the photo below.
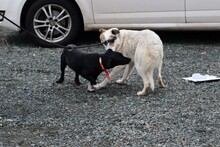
(110, 40)
(105, 42)
(114, 38)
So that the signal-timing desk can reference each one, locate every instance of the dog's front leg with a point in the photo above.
(127, 72)
(115, 71)
(92, 80)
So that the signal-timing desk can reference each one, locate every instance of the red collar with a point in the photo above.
(103, 68)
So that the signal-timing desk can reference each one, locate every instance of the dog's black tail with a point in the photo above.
(70, 47)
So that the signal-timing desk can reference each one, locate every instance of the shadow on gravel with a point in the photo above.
(23, 39)
(90, 37)
(190, 37)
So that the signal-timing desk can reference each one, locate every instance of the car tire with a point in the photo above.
(53, 22)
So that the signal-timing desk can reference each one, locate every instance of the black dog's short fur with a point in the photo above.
(87, 65)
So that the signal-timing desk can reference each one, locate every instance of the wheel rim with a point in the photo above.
(52, 23)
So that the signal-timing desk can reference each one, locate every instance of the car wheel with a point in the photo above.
(53, 21)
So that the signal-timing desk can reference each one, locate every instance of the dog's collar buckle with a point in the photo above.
(103, 68)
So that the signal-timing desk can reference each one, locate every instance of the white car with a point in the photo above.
(61, 21)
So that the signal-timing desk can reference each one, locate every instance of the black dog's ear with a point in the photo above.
(108, 63)
(108, 55)
(108, 51)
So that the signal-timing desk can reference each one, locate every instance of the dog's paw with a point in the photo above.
(90, 88)
(98, 86)
(162, 85)
(141, 93)
(120, 81)
(59, 81)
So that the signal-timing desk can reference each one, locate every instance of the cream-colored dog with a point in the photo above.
(145, 49)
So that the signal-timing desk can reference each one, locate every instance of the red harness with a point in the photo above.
(103, 68)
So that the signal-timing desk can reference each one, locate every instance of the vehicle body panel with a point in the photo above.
(86, 10)
(203, 11)
(138, 11)
(13, 12)
(138, 14)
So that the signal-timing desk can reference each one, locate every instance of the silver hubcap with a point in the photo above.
(52, 23)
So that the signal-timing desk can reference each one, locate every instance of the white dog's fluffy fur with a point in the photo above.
(145, 49)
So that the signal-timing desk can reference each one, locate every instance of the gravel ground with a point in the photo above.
(34, 111)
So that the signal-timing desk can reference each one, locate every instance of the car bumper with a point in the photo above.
(6, 24)
(2, 13)
(12, 10)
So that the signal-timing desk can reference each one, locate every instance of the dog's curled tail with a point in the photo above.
(70, 47)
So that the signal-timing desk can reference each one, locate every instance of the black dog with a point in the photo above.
(90, 65)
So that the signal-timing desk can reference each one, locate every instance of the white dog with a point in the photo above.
(145, 49)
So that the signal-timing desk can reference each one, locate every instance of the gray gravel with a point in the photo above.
(34, 111)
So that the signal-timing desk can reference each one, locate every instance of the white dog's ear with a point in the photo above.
(115, 31)
(102, 30)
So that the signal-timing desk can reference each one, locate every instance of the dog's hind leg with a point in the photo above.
(77, 79)
(159, 77)
(148, 81)
(127, 73)
(62, 68)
